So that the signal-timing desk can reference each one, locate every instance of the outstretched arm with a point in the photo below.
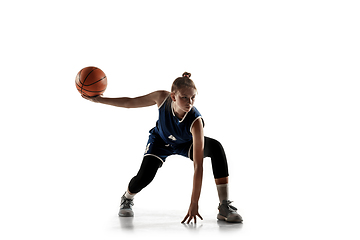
(150, 99)
(198, 141)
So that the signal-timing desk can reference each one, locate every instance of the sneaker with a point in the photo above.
(228, 213)
(125, 207)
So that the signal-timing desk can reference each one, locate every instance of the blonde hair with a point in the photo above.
(183, 82)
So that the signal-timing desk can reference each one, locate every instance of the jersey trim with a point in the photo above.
(154, 156)
(189, 152)
(163, 102)
(172, 109)
(194, 122)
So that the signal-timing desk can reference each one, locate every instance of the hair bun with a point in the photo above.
(186, 74)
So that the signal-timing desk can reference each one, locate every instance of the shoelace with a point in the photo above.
(228, 202)
(127, 203)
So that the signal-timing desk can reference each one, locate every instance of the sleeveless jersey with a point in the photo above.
(171, 129)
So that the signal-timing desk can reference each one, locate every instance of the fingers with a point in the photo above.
(86, 97)
(185, 218)
(189, 218)
(92, 99)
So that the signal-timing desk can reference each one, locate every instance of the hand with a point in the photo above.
(192, 213)
(95, 99)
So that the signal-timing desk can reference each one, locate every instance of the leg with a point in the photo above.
(214, 150)
(146, 174)
(224, 180)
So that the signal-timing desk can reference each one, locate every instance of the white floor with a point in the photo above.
(78, 200)
(154, 223)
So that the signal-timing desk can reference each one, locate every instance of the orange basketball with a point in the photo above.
(91, 81)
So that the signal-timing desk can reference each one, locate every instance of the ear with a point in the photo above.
(173, 96)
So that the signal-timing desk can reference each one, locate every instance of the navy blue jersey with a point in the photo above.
(171, 129)
(171, 134)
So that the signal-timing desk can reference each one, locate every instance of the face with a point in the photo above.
(184, 99)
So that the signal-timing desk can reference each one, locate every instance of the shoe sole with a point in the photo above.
(234, 220)
(126, 214)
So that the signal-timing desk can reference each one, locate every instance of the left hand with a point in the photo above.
(192, 213)
(94, 99)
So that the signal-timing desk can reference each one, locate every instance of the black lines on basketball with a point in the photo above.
(91, 91)
(88, 75)
(94, 82)
(91, 81)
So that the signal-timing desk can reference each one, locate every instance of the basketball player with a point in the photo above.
(179, 130)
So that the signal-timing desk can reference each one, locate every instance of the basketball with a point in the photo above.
(91, 81)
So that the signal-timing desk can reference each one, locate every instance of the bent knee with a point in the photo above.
(213, 144)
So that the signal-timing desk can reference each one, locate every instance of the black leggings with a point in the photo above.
(150, 165)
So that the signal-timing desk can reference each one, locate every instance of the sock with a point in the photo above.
(223, 192)
(128, 195)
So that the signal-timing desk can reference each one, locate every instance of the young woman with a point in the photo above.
(179, 130)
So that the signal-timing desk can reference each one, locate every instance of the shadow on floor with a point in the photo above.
(161, 222)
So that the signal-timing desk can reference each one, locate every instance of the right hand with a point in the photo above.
(192, 213)
(95, 99)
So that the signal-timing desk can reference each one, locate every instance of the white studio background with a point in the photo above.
(278, 85)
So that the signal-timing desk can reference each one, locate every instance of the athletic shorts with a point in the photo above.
(158, 148)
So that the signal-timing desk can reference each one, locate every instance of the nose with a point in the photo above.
(191, 101)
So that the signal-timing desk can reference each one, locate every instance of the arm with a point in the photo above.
(150, 99)
(198, 141)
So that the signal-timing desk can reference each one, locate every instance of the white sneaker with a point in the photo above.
(228, 213)
(125, 207)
